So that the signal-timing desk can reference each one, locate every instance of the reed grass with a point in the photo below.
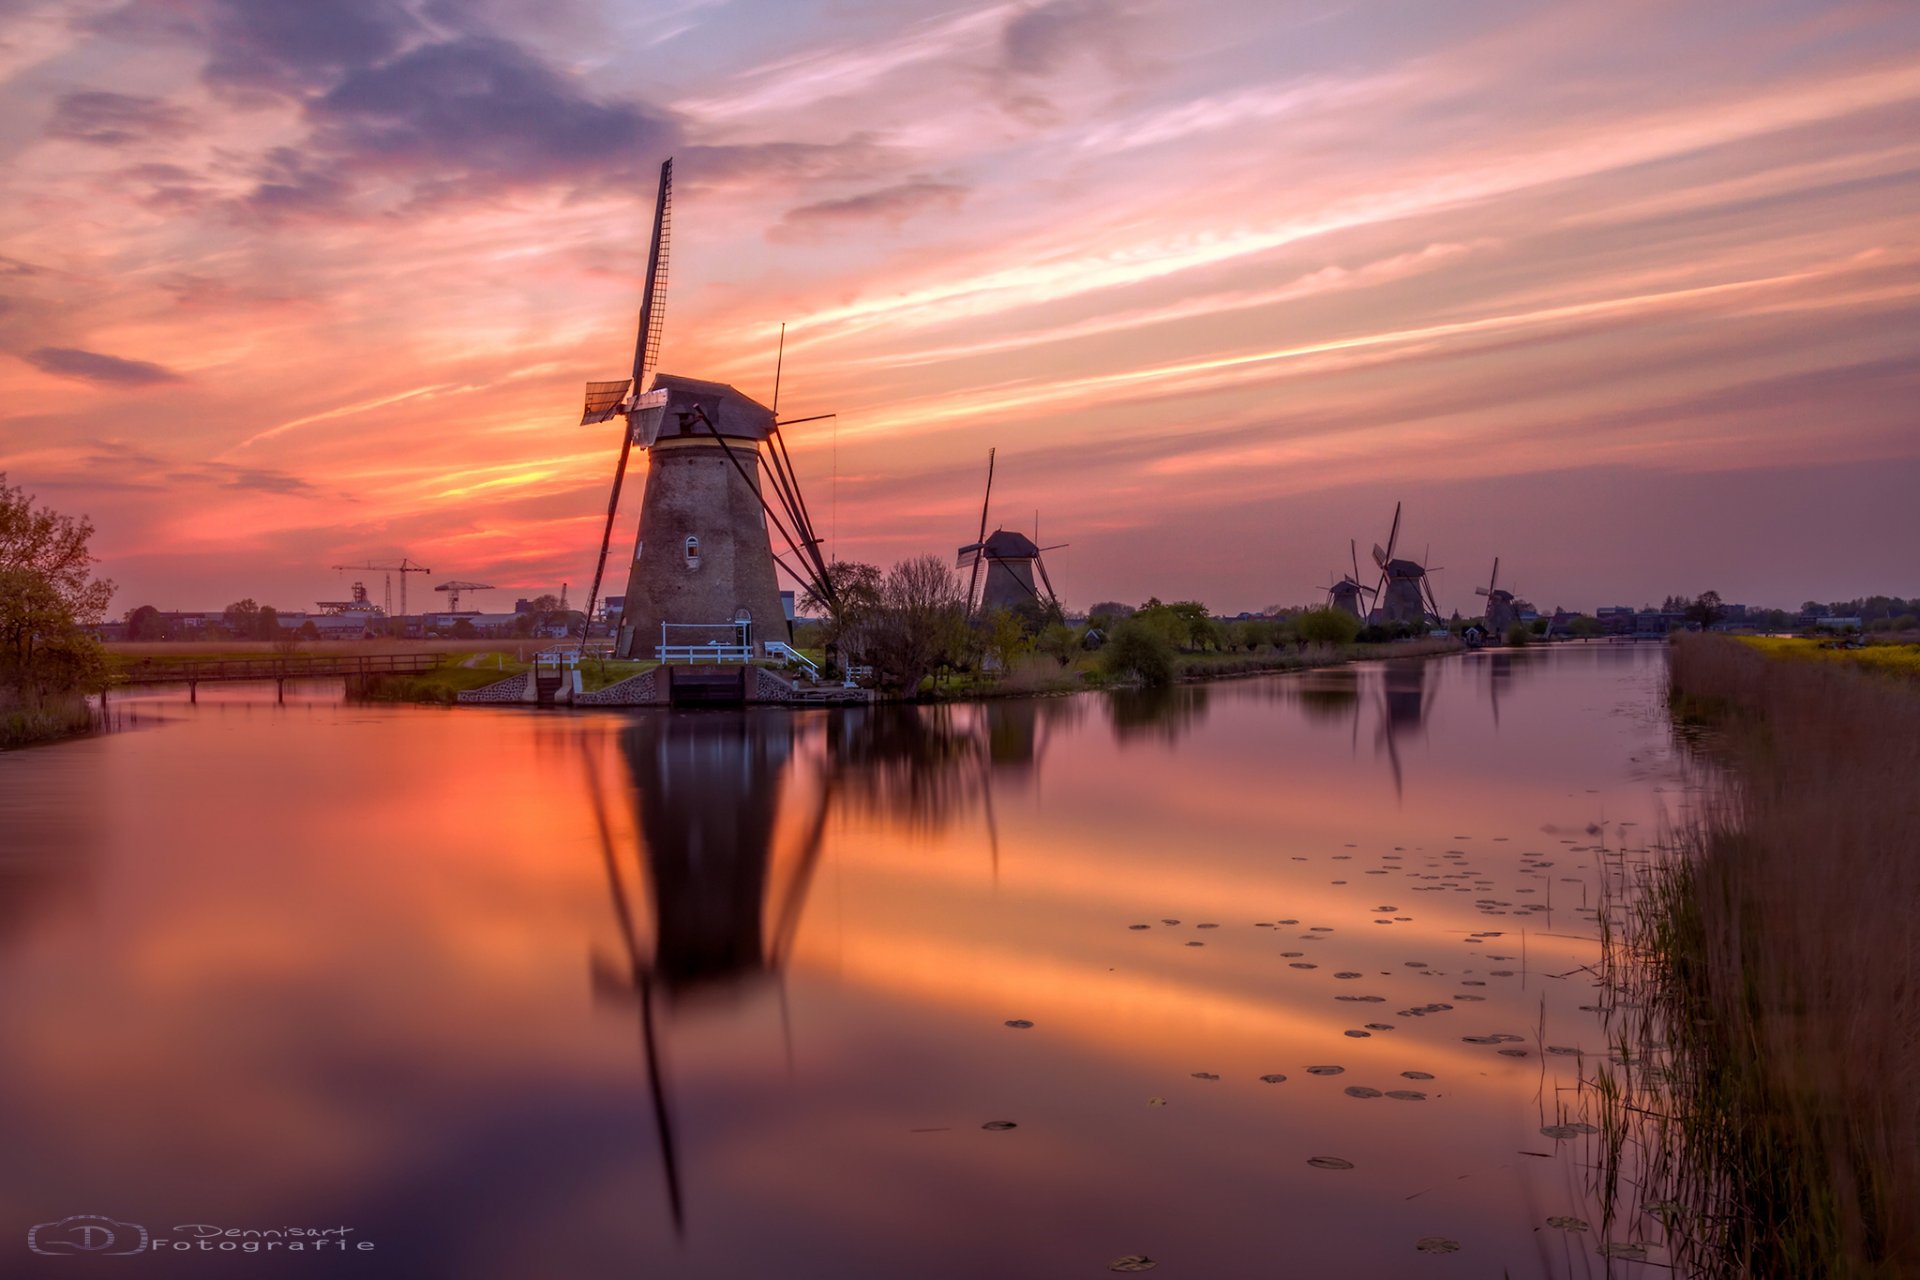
(25, 723)
(1766, 978)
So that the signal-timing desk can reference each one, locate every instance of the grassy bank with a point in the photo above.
(47, 720)
(1772, 976)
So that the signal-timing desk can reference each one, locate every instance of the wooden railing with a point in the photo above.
(297, 667)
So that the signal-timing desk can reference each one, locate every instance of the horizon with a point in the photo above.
(282, 289)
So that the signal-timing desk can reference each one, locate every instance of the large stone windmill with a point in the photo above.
(703, 564)
(1500, 612)
(1403, 595)
(1345, 595)
(1011, 561)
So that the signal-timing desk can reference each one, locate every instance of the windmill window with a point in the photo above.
(693, 552)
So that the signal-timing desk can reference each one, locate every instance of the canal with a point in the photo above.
(1279, 976)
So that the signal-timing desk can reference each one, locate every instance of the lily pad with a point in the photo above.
(1417, 1075)
(1329, 1162)
(1205, 1075)
(1407, 1095)
(1132, 1262)
(1019, 1023)
(1361, 1091)
(1437, 1244)
(1568, 1224)
(997, 1125)
(1325, 1071)
(1274, 1078)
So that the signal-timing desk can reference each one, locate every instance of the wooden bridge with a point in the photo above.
(193, 672)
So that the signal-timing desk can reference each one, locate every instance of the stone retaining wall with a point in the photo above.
(512, 689)
(635, 691)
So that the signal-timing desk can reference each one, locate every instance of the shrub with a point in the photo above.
(1518, 634)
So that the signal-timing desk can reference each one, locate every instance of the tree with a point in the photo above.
(242, 619)
(1139, 651)
(918, 623)
(1004, 635)
(1326, 626)
(48, 595)
(855, 597)
(266, 623)
(1705, 609)
(1059, 642)
(145, 623)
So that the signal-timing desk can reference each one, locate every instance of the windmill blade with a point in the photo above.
(604, 399)
(1379, 556)
(1494, 580)
(646, 350)
(1482, 591)
(980, 540)
(1353, 550)
(1053, 597)
(653, 300)
(1393, 537)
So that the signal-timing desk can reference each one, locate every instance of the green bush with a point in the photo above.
(1518, 634)
(1138, 650)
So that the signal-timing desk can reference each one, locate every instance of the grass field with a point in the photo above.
(1892, 657)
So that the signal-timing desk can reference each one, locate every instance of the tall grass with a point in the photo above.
(1768, 977)
(44, 719)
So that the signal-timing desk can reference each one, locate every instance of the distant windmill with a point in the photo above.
(1500, 611)
(454, 588)
(1010, 560)
(1345, 594)
(1403, 595)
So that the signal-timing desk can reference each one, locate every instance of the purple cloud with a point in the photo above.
(93, 366)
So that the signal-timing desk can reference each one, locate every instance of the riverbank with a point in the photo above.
(1036, 674)
(51, 720)
(1773, 975)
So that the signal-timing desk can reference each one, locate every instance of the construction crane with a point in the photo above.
(453, 590)
(404, 568)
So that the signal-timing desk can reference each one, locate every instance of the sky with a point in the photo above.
(1624, 293)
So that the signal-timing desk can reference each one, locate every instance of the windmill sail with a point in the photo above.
(604, 399)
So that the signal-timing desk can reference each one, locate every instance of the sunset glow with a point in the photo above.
(1627, 293)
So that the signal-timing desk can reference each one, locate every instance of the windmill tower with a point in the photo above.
(703, 565)
(1345, 595)
(1404, 595)
(1011, 561)
(1500, 611)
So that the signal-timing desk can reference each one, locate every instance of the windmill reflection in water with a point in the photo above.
(710, 887)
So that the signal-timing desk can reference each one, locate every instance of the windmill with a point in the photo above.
(1500, 611)
(1345, 594)
(1010, 560)
(1403, 595)
(702, 561)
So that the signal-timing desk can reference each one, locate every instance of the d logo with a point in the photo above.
(87, 1233)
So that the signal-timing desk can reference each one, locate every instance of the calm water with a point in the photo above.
(719, 995)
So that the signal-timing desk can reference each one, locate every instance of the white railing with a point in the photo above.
(781, 649)
(856, 673)
(711, 652)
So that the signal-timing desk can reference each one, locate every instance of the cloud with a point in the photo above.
(892, 205)
(254, 479)
(117, 119)
(1040, 39)
(455, 119)
(92, 366)
(273, 46)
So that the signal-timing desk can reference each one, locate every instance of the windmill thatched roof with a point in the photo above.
(1004, 544)
(731, 412)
